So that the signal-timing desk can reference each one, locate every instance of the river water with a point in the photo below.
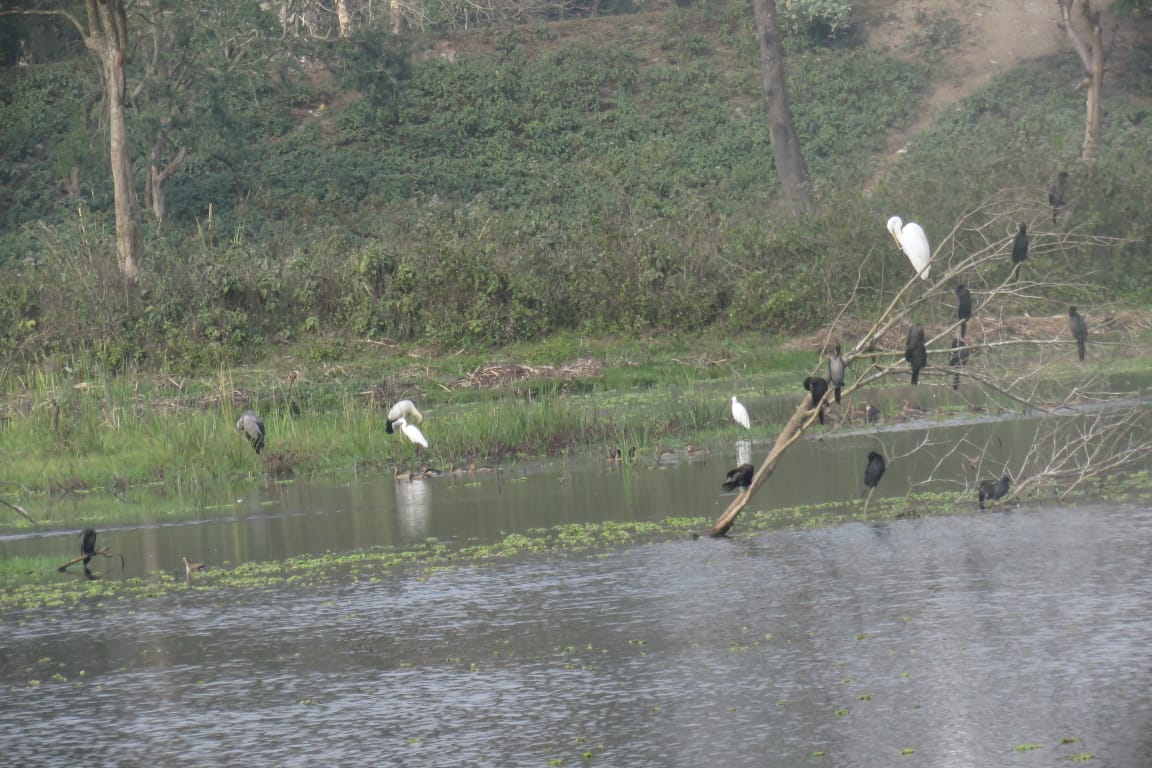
(1015, 637)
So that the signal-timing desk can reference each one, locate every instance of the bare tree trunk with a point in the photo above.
(1091, 54)
(108, 38)
(790, 166)
(344, 18)
(106, 35)
(155, 189)
(396, 8)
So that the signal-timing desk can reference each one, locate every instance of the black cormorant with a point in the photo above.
(959, 357)
(818, 386)
(1079, 330)
(873, 472)
(741, 478)
(963, 307)
(991, 491)
(915, 352)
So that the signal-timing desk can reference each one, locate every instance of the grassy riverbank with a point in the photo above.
(169, 443)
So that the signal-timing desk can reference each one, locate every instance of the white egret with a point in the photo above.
(740, 413)
(406, 410)
(253, 428)
(912, 240)
(411, 431)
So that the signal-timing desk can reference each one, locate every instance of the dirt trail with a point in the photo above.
(993, 37)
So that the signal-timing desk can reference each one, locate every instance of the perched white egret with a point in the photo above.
(740, 413)
(912, 240)
(411, 431)
(406, 410)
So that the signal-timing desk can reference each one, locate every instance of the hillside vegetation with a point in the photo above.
(608, 175)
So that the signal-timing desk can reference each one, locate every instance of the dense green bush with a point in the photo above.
(535, 185)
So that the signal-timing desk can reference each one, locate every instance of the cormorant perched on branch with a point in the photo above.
(818, 386)
(1056, 193)
(915, 352)
(1079, 330)
(1019, 249)
(959, 357)
(253, 428)
(836, 373)
(87, 545)
(991, 491)
(873, 472)
(963, 307)
(741, 478)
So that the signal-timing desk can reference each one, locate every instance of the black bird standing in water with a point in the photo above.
(818, 386)
(963, 307)
(959, 357)
(873, 472)
(1079, 330)
(836, 373)
(991, 491)
(87, 545)
(915, 352)
(1019, 249)
(1056, 193)
(741, 478)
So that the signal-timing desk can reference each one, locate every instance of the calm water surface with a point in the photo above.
(972, 640)
(1018, 637)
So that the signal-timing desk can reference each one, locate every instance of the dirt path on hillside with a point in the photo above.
(991, 37)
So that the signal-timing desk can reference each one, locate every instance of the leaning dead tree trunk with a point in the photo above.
(1089, 46)
(977, 249)
(792, 432)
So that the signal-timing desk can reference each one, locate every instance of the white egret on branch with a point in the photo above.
(405, 410)
(411, 431)
(740, 413)
(912, 240)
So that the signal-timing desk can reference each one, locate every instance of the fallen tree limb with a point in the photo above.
(18, 510)
(102, 551)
